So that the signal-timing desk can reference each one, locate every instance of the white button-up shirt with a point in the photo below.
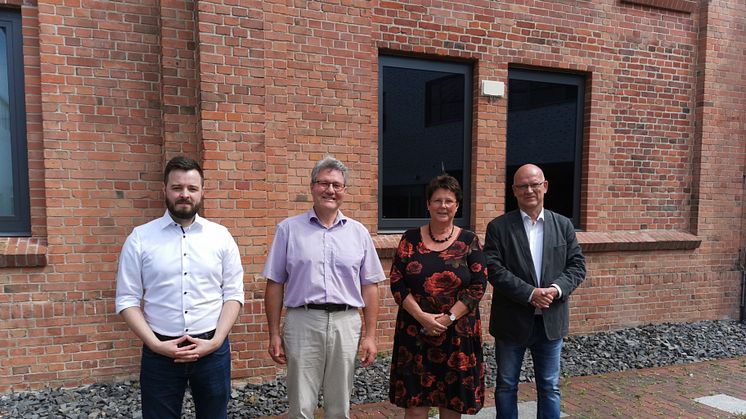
(535, 234)
(182, 277)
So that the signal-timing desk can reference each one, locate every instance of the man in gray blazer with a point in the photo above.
(534, 263)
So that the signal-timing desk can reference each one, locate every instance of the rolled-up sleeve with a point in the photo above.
(129, 275)
(232, 272)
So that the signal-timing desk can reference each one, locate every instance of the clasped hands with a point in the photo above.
(434, 324)
(543, 297)
(186, 348)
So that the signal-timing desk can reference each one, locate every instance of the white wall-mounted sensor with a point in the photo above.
(493, 88)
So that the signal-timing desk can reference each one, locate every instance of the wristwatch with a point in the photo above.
(451, 316)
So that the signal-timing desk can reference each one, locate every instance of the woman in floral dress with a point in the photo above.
(438, 278)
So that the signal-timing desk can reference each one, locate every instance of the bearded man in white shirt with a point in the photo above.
(180, 289)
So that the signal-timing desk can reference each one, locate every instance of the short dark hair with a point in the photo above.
(446, 182)
(182, 163)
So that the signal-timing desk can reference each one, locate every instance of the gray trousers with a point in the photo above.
(321, 348)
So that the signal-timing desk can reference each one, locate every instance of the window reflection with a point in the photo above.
(422, 111)
(544, 128)
(6, 168)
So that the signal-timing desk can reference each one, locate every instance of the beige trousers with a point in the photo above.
(321, 348)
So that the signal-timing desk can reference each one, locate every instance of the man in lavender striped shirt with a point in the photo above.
(323, 267)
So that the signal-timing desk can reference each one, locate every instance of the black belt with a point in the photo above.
(205, 336)
(328, 307)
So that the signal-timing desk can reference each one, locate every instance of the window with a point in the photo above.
(424, 131)
(545, 127)
(14, 195)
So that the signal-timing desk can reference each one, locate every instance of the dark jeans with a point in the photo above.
(163, 382)
(546, 356)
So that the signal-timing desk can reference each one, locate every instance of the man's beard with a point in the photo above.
(185, 214)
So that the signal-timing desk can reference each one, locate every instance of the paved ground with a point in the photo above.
(666, 392)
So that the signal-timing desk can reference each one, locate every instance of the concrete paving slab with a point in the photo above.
(724, 402)
(526, 410)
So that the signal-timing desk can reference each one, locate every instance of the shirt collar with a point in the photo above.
(341, 218)
(167, 221)
(524, 216)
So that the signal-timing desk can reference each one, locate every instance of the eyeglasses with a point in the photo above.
(533, 186)
(338, 187)
(448, 203)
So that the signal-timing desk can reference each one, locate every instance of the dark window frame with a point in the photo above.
(18, 224)
(556, 77)
(463, 217)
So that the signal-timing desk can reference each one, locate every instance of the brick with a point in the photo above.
(258, 91)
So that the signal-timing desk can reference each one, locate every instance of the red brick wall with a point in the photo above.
(260, 90)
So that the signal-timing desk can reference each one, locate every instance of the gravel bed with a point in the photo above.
(639, 347)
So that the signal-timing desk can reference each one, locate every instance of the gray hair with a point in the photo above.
(328, 162)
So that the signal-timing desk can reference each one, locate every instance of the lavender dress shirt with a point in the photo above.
(322, 265)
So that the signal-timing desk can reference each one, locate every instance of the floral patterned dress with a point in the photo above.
(447, 370)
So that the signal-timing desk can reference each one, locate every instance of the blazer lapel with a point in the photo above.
(549, 233)
(520, 234)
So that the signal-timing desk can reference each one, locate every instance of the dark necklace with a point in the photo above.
(430, 232)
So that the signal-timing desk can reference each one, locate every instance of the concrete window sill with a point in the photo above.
(591, 242)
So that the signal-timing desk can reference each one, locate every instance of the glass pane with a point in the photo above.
(422, 136)
(6, 160)
(542, 129)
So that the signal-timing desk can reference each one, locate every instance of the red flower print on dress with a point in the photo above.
(404, 357)
(451, 377)
(405, 250)
(395, 275)
(397, 297)
(459, 361)
(422, 249)
(456, 251)
(400, 390)
(476, 267)
(414, 268)
(456, 340)
(419, 367)
(435, 340)
(462, 328)
(479, 393)
(427, 380)
(412, 330)
(441, 282)
(437, 398)
(446, 303)
(457, 404)
(436, 356)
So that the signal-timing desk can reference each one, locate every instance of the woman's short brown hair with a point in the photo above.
(446, 182)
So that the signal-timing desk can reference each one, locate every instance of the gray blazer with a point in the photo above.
(511, 273)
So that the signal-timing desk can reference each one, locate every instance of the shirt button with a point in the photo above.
(185, 273)
(186, 312)
(185, 292)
